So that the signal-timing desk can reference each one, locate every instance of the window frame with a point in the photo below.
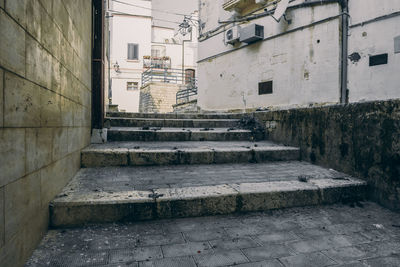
(135, 87)
(135, 48)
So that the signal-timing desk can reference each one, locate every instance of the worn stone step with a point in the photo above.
(176, 153)
(180, 123)
(175, 115)
(104, 195)
(179, 134)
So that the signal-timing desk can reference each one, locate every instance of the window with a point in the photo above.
(158, 51)
(132, 86)
(265, 88)
(133, 51)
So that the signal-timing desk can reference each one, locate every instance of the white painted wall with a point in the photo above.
(377, 82)
(134, 25)
(303, 70)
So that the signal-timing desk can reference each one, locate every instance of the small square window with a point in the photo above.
(132, 86)
(265, 88)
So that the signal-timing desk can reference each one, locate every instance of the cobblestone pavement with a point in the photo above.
(363, 234)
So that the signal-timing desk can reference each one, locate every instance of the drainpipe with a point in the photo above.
(344, 97)
(183, 56)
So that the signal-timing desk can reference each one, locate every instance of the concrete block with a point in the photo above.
(17, 10)
(52, 180)
(2, 230)
(66, 52)
(12, 45)
(67, 112)
(195, 201)
(177, 262)
(38, 63)
(99, 136)
(137, 254)
(50, 35)
(21, 102)
(60, 143)
(50, 108)
(34, 10)
(38, 148)
(48, 5)
(1, 97)
(2, 4)
(55, 75)
(60, 16)
(137, 158)
(275, 195)
(105, 158)
(12, 154)
(21, 245)
(22, 203)
(267, 252)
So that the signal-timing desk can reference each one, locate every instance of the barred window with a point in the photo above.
(132, 86)
(133, 51)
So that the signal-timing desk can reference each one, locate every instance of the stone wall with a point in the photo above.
(359, 139)
(45, 103)
(158, 98)
(186, 107)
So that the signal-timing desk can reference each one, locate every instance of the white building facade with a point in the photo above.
(302, 59)
(136, 45)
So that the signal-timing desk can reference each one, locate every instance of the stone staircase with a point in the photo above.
(180, 165)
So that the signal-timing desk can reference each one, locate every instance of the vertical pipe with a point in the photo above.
(344, 54)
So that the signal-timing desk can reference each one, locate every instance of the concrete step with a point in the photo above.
(104, 195)
(170, 123)
(177, 153)
(179, 134)
(175, 115)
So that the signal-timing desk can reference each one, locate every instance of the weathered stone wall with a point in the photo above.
(359, 139)
(186, 107)
(45, 100)
(158, 98)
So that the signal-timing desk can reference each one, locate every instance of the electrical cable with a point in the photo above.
(157, 10)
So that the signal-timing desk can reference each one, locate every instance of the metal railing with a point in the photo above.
(156, 62)
(172, 76)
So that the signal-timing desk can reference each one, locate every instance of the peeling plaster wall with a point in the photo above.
(377, 82)
(304, 65)
(45, 107)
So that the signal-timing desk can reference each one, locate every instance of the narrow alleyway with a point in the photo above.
(338, 235)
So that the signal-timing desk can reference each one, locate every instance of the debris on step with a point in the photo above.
(156, 129)
(304, 178)
(145, 128)
(136, 147)
(206, 129)
(155, 195)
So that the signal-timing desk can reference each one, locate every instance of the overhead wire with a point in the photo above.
(152, 9)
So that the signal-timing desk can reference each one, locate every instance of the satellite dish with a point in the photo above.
(280, 10)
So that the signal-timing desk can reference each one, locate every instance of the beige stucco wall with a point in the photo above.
(45, 99)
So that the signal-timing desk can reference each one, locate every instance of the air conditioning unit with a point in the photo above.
(251, 33)
(232, 35)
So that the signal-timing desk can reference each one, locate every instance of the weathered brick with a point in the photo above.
(12, 45)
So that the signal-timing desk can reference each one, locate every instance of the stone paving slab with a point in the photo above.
(153, 122)
(372, 239)
(178, 153)
(175, 115)
(179, 134)
(140, 193)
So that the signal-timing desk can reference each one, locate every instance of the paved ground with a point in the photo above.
(339, 235)
(117, 179)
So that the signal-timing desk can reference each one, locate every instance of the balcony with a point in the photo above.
(241, 6)
(156, 62)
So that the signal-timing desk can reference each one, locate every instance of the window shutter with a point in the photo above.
(133, 51)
